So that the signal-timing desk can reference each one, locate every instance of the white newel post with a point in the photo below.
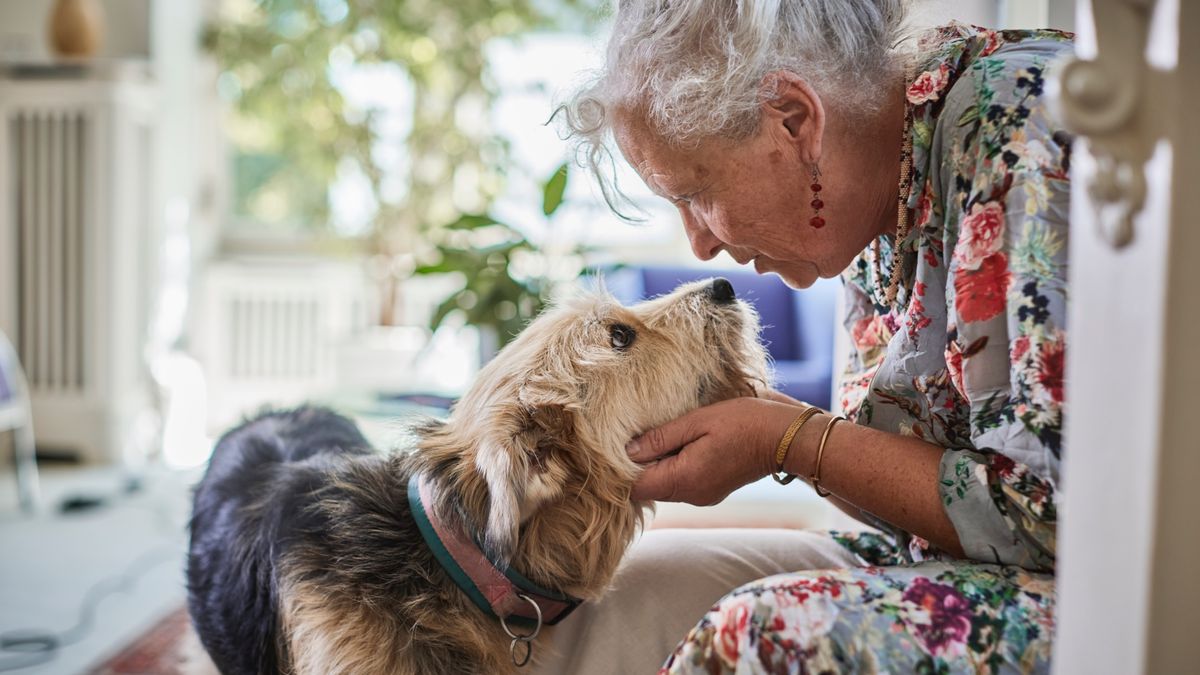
(1129, 539)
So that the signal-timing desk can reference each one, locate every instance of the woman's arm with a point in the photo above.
(842, 505)
(892, 477)
(732, 443)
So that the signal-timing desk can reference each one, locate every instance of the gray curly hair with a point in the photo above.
(695, 68)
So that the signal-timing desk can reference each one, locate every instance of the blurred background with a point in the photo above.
(210, 206)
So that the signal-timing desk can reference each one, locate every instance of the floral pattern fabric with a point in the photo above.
(930, 618)
(971, 354)
(970, 357)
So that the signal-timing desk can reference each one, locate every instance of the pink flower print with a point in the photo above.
(870, 333)
(948, 617)
(1050, 369)
(993, 42)
(929, 85)
(980, 294)
(732, 630)
(891, 323)
(981, 235)
(916, 320)
(1002, 465)
(1020, 347)
(804, 613)
(954, 365)
(924, 209)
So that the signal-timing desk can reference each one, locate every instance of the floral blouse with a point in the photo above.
(970, 356)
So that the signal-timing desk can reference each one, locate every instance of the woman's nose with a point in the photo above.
(705, 245)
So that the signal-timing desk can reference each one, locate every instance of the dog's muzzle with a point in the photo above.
(720, 291)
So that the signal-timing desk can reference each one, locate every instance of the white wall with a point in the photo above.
(1061, 14)
(934, 12)
(23, 29)
(996, 13)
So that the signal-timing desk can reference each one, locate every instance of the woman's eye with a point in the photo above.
(621, 336)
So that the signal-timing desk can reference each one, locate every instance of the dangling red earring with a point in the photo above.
(817, 222)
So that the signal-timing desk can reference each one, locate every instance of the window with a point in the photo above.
(343, 126)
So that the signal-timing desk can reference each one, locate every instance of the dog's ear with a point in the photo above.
(551, 426)
(505, 477)
(522, 470)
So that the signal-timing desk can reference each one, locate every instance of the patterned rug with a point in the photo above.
(170, 647)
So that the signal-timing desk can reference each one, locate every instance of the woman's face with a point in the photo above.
(749, 197)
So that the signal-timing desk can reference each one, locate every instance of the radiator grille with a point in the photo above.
(49, 155)
(271, 329)
(275, 336)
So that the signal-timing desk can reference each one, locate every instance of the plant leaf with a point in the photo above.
(443, 310)
(552, 193)
(439, 268)
(471, 221)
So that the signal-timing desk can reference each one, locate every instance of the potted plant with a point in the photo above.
(507, 278)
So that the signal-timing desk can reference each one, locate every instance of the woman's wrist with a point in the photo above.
(785, 445)
(782, 416)
(801, 459)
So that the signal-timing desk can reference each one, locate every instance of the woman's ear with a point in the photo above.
(794, 113)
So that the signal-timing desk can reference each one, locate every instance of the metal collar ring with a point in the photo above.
(526, 639)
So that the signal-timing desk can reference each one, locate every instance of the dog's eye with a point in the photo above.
(622, 336)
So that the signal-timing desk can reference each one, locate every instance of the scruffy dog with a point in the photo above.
(310, 553)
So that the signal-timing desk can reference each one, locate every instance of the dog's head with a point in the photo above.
(547, 421)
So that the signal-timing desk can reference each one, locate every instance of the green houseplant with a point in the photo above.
(497, 295)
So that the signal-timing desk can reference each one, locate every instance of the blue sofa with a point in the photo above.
(797, 325)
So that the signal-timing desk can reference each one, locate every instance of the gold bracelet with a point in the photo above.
(815, 479)
(785, 444)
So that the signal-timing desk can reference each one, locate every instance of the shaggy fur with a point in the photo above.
(304, 556)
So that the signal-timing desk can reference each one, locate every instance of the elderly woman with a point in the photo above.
(800, 137)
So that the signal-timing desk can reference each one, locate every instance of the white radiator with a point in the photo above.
(75, 236)
(270, 330)
(48, 152)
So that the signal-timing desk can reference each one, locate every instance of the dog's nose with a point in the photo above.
(721, 291)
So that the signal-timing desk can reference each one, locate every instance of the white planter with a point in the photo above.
(408, 360)
(379, 358)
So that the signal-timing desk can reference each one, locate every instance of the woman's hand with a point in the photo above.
(719, 448)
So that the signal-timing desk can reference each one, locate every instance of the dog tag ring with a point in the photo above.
(527, 639)
(512, 650)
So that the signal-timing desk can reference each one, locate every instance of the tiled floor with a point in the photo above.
(49, 563)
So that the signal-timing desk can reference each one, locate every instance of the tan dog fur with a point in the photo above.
(534, 456)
